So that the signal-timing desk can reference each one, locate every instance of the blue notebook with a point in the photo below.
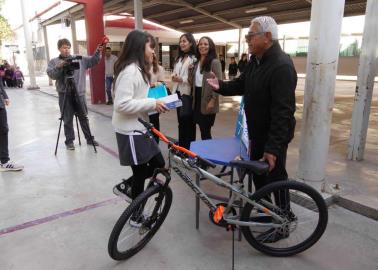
(157, 92)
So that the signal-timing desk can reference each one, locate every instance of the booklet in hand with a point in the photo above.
(157, 91)
(171, 101)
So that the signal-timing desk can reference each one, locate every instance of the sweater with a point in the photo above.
(130, 101)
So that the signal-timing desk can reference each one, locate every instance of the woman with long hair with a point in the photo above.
(132, 81)
(181, 86)
(206, 101)
(243, 63)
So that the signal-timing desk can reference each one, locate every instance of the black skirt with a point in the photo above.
(199, 118)
(136, 149)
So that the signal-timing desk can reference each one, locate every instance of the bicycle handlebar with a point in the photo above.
(162, 137)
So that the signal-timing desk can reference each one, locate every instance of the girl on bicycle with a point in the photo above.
(132, 81)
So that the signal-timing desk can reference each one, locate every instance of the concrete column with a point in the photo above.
(47, 50)
(75, 45)
(365, 83)
(28, 45)
(322, 59)
(240, 43)
(138, 14)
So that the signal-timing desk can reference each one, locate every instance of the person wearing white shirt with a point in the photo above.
(181, 86)
(132, 81)
(110, 60)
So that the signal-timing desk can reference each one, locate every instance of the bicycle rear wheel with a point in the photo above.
(139, 222)
(304, 217)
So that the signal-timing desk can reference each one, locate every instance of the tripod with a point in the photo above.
(71, 96)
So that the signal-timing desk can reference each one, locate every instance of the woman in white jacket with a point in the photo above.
(181, 85)
(132, 81)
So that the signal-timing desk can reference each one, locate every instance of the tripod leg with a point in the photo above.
(57, 140)
(78, 131)
(61, 119)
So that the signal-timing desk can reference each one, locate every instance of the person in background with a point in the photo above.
(181, 86)
(206, 101)
(232, 69)
(243, 63)
(5, 163)
(110, 59)
(132, 81)
(223, 63)
(19, 77)
(157, 78)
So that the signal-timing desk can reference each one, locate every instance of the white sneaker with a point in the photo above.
(11, 166)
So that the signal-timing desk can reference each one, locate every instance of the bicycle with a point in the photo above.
(281, 219)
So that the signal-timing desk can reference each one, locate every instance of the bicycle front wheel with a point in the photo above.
(301, 218)
(139, 222)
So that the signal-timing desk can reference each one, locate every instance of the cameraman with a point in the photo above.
(75, 100)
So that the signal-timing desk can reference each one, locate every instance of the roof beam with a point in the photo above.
(201, 10)
(186, 18)
(275, 14)
(68, 12)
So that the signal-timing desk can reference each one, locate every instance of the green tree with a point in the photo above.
(5, 29)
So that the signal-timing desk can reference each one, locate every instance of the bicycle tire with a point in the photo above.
(142, 199)
(301, 198)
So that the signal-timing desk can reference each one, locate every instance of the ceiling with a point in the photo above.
(212, 15)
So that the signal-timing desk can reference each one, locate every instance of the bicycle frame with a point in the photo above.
(189, 161)
(236, 192)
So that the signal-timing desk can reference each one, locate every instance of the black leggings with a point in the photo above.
(143, 171)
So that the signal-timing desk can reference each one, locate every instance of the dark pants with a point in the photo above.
(108, 87)
(277, 174)
(154, 119)
(143, 171)
(4, 153)
(186, 130)
(74, 105)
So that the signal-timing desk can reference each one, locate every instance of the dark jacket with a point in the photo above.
(233, 69)
(3, 96)
(242, 65)
(268, 87)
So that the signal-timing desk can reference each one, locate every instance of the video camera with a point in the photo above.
(71, 64)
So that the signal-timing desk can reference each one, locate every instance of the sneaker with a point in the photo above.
(272, 235)
(70, 146)
(123, 189)
(10, 166)
(93, 142)
(137, 222)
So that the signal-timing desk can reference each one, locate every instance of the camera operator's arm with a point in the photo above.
(91, 61)
(55, 69)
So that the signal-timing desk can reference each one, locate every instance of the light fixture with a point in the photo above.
(253, 10)
(186, 21)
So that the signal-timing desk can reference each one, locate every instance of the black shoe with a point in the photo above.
(70, 146)
(123, 189)
(109, 102)
(92, 142)
(272, 235)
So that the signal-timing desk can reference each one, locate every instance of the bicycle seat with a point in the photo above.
(257, 167)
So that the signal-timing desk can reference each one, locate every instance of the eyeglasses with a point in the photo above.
(251, 35)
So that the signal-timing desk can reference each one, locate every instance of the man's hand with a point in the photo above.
(7, 102)
(100, 48)
(271, 159)
(61, 64)
(213, 81)
(160, 107)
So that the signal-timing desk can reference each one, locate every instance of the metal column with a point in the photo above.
(138, 14)
(47, 50)
(75, 45)
(322, 59)
(28, 47)
(365, 83)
